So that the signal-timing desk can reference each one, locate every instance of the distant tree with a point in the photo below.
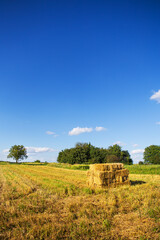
(17, 152)
(115, 150)
(152, 154)
(37, 161)
(97, 155)
(64, 156)
(141, 163)
(126, 158)
(112, 159)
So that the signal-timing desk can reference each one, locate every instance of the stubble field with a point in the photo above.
(46, 202)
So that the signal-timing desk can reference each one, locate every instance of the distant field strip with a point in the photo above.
(133, 169)
(144, 169)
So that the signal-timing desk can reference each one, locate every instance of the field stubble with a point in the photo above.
(43, 202)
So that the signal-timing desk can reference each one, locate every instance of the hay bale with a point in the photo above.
(106, 175)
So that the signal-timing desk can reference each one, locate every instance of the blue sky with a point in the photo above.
(79, 71)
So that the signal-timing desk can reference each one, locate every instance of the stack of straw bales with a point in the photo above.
(106, 175)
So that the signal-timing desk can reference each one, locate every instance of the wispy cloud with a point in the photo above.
(135, 145)
(50, 133)
(99, 129)
(158, 123)
(137, 151)
(39, 149)
(120, 143)
(156, 96)
(31, 150)
(6, 151)
(79, 130)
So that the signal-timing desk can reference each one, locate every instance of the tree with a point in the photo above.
(152, 154)
(112, 159)
(141, 163)
(126, 158)
(17, 152)
(97, 155)
(115, 150)
(37, 161)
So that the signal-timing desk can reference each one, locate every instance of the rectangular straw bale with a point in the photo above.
(105, 175)
(109, 174)
(120, 166)
(124, 172)
(118, 173)
(98, 167)
(124, 179)
(97, 181)
(117, 178)
(101, 167)
(100, 174)
(120, 179)
(92, 167)
(115, 166)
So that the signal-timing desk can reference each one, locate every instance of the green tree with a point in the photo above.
(141, 163)
(152, 154)
(112, 159)
(17, 152)
(37, 161)
(126, 158)
(115, 150)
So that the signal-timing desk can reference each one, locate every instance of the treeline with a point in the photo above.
(87, 153)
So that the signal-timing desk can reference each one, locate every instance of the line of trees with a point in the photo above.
(87, 153)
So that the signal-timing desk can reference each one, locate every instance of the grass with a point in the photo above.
(50, 202)
(144, 169)
(133, 169)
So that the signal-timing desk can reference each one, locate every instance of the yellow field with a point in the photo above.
(44, 202)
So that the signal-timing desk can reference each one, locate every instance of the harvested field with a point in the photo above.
(45, 202)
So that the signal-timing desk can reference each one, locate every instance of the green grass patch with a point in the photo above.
(143, 169)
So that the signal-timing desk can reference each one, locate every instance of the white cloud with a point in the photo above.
(135, 145)
(39, 149)
(158, 123)
(137, 157)
(31, 150)
(120, 143)
(156, 96)
(79, 130)
(137, 151)
(50, 133)
(6, 151)
(98, 129)
(56, 135)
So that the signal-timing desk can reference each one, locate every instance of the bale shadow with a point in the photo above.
(133, 183)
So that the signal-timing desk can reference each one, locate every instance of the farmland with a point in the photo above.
(53, 202)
